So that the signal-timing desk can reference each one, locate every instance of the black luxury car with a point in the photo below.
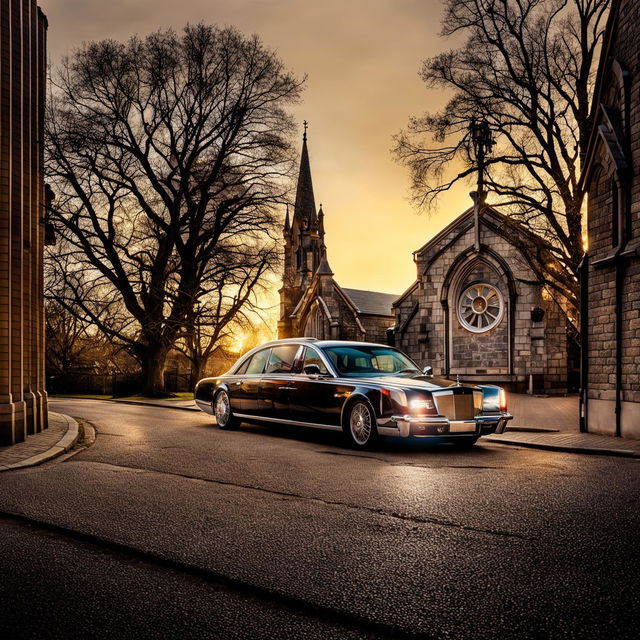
(365, 390)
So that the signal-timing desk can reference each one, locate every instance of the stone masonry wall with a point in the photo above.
(602, 281)
(538, 350)
(601, 301)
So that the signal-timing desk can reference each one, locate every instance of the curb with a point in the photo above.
(62, 446)
(590, 451)
(151, 404)
(532, 430)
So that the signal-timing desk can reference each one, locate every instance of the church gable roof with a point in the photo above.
(465, 217)
(371, 302)
(491, 218)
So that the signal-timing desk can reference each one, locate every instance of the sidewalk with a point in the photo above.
(61, 435)
(570, 442)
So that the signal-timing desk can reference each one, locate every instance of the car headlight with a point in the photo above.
(421, 405)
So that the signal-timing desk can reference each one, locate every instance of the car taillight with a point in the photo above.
(503, 400)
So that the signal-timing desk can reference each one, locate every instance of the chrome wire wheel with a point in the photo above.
(222, 409)
(360, 424)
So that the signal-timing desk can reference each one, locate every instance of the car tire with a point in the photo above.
(464, 442)
(360, 426)
(222, 411)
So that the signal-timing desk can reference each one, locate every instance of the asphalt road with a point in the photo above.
(169, 527)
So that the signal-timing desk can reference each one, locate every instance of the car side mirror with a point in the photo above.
(312, 370)
(428, 371)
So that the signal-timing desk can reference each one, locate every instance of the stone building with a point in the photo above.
(312, 303)
(23, 401)
(610, 398)
(481, 314)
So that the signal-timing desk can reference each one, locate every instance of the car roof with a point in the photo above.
(321, 343)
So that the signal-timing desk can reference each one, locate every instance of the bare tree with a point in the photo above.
(67, 345)
(233, 302)
(526, 68)
(168, 156)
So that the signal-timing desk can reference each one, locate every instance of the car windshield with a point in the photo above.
(370, 362)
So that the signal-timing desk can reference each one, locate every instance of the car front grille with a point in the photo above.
(461, 405)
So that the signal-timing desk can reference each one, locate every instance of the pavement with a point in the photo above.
(61, 435)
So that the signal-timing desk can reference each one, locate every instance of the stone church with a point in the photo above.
(312, 303)
(610, 279)
(475, 310)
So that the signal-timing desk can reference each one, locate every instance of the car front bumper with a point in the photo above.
(439, 426)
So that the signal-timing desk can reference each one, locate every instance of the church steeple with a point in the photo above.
(287, 226)
(304, 248)
(305, 206)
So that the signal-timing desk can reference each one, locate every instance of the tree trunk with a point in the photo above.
(153, 365)
(197, 368)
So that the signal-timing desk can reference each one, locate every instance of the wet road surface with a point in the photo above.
(170, 526)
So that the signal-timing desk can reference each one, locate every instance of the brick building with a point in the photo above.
(610, 398)
(23, 401)
(312, 303)
(481, 314)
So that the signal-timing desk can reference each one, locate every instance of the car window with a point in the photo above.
(243, 367)
(282, 358)
(384, 363)
(311, 356)
(370, 361)
(258, 361)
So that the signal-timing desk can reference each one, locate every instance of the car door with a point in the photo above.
(316, 399)
(276, 383)
(245, 390)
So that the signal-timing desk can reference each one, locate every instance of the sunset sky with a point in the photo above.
(362, 59)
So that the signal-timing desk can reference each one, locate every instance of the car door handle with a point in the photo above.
(238, 383)
(288, 388)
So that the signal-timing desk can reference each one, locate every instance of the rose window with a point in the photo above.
(480, 308)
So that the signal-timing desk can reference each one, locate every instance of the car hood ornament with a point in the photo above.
(458, 379)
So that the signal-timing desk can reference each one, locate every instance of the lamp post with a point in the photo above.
(483, 142)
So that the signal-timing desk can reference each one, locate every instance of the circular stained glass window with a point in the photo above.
(480, 308)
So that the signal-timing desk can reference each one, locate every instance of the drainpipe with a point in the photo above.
(584, 343)
(620, 269)
(447, 338)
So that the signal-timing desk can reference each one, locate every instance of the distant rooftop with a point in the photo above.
(371, 302)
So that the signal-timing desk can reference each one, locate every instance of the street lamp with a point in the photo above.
(483, 142)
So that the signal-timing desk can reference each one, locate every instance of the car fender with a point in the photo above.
(368, 395)
(205, 391)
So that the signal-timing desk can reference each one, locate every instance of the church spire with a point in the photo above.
(305, 207)
(287, 226)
